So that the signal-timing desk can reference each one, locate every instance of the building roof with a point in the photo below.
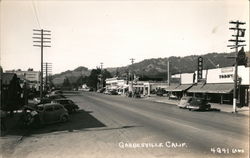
(217, 88)
(171, 87)
(6, 78)
(182, 87)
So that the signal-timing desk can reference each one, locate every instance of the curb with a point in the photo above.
(221, 109)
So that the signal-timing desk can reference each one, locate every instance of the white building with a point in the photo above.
(32, 77)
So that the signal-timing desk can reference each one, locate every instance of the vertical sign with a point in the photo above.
(200, 68)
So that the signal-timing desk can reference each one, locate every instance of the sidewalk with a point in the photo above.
(222, 107)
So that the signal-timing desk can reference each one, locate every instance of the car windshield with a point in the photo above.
(71, 102)
(40, 108)
(63, 102)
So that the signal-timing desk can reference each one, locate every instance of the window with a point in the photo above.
(49, 109)
(58, 107)
(40, 108)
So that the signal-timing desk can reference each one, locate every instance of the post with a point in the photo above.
(132, 74)
(101, 82)
(46, 76)
(239, 33)
(39, 36)
(41, 83)
(235, 84)
(168, 73)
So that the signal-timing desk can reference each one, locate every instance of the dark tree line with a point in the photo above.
(91, 81)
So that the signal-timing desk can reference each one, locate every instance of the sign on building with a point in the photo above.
(200, 68)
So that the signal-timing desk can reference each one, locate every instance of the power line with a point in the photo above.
(36, 15)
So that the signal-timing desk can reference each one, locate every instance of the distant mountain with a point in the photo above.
(71, 75)
(156, 68)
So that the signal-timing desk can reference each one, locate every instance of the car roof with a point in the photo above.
(48, 104)
(62, 99)
(187, 97)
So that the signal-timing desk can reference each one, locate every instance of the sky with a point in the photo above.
(86, 33)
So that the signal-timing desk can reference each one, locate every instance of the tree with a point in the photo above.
(66, 84)
(95, 77)
(106, 74)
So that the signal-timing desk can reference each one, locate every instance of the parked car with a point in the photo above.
(160, 92)
(137, 95)
(173, 96)
(101, 90)
(184, 102)
(45, 114)
(56, 92)
(113, 92)
(45, 100)
(106, 92)
(119, 92)
(68, 104)
(56, 96)
(199, 104)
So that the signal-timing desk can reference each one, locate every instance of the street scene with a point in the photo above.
(114, 126)
(110, 79)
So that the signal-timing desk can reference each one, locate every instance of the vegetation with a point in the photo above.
(148, 69)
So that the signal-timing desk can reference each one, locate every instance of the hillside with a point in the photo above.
(156, 68)
(72, 75)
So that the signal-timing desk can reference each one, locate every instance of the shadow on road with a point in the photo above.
(211, 109)
(78, 121)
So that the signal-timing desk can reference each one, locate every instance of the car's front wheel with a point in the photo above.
(64, 118)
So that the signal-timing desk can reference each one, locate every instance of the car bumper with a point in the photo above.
(193, 107)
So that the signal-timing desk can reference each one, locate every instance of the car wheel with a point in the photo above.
(64, 118)
(209, 107)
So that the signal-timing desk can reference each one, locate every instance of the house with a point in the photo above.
(10, 92)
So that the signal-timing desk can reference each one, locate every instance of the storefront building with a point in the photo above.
(217, 85)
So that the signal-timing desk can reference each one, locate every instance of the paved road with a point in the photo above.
(116, 126)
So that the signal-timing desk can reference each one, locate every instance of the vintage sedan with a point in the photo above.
(184, 102)
(199, 104)
(68, 104)
(45, 114)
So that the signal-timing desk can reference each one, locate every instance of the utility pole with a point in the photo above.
(101, 65)
(48, 70)
(131, 78)
(41, 37)
(239, 33)
(101, 75)
(168, 73)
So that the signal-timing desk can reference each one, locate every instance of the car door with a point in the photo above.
(57, 112)
(49, 114)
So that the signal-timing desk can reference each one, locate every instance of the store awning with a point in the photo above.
(216, 88)
(182, 87)
(171, 88)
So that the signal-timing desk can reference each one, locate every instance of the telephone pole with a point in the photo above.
(101, 65)
(47, 68)
(240, 32)
(41, 39)
(131, 75)
(168, 73)
(101, 75)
